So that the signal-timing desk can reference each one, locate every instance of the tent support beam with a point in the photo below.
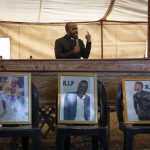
(148, 29)
(108, 10)
(101, 24)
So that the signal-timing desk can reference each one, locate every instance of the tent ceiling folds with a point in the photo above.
(58, 11)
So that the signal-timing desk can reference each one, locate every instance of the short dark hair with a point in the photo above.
(83, 81)
(67, 26)
(140, 83)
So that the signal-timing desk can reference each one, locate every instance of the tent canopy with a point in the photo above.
(58, 11)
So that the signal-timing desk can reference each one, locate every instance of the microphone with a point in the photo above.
(77, 42)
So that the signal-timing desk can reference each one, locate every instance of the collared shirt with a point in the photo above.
(80, 108)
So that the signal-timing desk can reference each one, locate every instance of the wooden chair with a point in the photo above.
(48, 116)
(129, 130)
(26, 131)
(97, 132)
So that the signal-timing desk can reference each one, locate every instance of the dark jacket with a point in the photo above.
(64, 48)
(142, 105)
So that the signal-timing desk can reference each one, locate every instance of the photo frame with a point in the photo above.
(77, 98)
(136, 99)
(15, 98)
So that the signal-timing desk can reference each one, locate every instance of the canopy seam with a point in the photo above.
(40, 10)
(109, 10)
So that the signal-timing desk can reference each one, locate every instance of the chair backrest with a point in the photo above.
(102, 104)
(35, 107)
(119, 104)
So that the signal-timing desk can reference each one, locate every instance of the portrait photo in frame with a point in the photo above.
(77, 98)
(15, 98)
(136, 99)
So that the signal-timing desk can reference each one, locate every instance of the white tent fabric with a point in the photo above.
(56, 11)
(37, 40)
(129, 10)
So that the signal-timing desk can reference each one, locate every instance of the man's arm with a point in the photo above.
(85, 51)
(66, 108)
(135, 103)
(87, 108)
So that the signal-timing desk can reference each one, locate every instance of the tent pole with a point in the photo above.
(148, 29)
(101, 24)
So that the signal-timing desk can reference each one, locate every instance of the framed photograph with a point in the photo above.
(77, 98)
(136, 99)
(15, 98)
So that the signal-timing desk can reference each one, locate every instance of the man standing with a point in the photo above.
(70, 47)
(77, 104)
(141, 101)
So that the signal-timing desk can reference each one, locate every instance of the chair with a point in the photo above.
(48, 117)
(129, 130)
(26, 131)
(97, 132)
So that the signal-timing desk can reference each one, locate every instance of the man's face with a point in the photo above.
(137, 87)
(82, 88)
(73, 30)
